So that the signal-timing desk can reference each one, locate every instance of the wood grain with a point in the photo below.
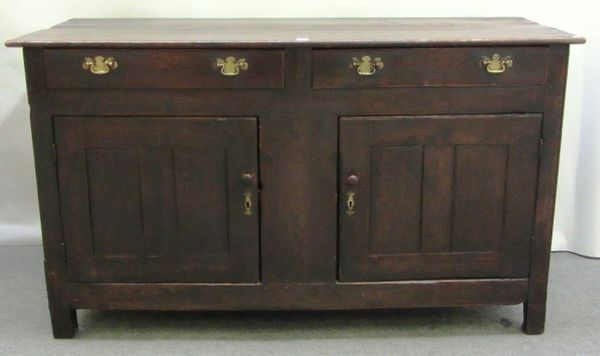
(128, 33)
(330, 296)
(104, 181)
(384, 238)
(160, 68)
(136, 129)
(438, 186)
(535, 307)
(454, 66)
(396, 185)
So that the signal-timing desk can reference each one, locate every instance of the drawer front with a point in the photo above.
(406, 67)
(169, 69)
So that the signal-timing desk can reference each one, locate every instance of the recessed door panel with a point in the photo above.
(397, 169)
(114, 202)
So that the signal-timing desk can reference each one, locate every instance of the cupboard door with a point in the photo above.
(437, 196)
(159, 199)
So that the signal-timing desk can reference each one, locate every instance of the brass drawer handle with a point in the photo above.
(366, 65)
(230, 66)
(99, 65)
(496, 64)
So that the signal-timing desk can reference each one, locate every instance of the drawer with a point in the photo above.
(408, 67)
(172, 68)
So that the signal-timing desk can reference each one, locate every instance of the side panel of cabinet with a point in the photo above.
(158, 199)
(437, 197)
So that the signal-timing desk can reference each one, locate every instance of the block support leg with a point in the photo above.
(534, 316)
(64, 322)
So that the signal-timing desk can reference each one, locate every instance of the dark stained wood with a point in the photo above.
(391, 267)
(156, 192)
(437, 67)
(298, 158)
(395, 184)
(534, 317)
(156, 68)
(158, 154)
(330, 296)
(113, 182)
(293, 32)
(390, 196)
(522, 172)
(493, 129)
(202, 206)
(438, 182)
(100, 174)
(478, 197)
(62, 315)
(535, 306)
(408, 101)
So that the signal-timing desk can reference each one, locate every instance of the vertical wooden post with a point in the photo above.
(64, 319)
(535, 306)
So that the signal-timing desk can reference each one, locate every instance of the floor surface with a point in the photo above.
(572, 326)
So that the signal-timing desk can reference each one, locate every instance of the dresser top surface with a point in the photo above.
(293, 32)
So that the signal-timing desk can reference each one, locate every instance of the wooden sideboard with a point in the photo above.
(227, 164)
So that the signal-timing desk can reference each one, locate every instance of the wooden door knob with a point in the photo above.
(247, 179)
(352, 179)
